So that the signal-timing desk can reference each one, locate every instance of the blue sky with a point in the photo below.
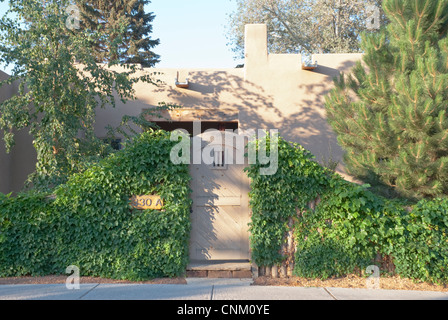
(191, 33)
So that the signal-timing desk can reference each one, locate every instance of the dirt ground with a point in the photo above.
(352, 281)
(62, 279)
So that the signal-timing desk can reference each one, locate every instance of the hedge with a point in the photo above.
(340, 227)
(275, 198)
(28, 233)
(424, 256)
(346, 231)
(92, 225)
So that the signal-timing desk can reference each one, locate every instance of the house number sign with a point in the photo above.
(147, 202)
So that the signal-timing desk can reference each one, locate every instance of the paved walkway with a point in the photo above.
(204, 289)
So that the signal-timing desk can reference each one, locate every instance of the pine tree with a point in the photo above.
(390, 114)
(136, 44)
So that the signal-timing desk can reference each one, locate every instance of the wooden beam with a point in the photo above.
(190, 115)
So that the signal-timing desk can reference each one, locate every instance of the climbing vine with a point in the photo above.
(89, 221)
(340, 227)
(275, 198)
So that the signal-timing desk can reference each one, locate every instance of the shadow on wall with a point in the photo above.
(299, 115)
(218, 218)
(21, 161)
(292, 101)
(316, 133)
(203, 217)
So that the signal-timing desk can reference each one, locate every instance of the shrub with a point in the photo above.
(275, 198)
(323, 259)
(346, 231)
(424, 255)
(92, 225)
(28, 229)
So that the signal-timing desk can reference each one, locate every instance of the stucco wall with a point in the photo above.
(5, 159)
(20, 162)
(270, 92)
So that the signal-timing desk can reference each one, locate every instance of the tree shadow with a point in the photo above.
(319, 137)
(217, 209)
(293, 102)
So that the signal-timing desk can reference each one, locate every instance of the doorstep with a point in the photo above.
(220, 269)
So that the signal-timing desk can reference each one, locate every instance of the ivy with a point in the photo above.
(347, 228)
(342, 234)
(89, 222)
(92, 225)
(276, 198)
(27, 234)
(425, 256)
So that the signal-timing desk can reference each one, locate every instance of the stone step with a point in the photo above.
(220, 269)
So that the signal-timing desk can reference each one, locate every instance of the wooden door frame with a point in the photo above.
(196, 114)
(239, 199)
(208, 115)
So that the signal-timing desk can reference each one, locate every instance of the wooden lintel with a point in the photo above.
(182, 85)
(190, 115)
(309, 67)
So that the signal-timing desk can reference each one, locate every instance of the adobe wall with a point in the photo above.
(5, 159)
(270, 92)
(23, 160)
(20, 162)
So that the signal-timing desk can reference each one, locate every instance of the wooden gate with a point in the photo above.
(220, 212)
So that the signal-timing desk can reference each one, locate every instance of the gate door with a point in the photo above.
(220, 213)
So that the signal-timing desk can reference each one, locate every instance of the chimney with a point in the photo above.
(256, 46)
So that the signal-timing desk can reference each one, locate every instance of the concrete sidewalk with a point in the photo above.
(204, 289)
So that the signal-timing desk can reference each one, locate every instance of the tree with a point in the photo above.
(61, 85)
(304, 26)
(390, 114)
(136, 44)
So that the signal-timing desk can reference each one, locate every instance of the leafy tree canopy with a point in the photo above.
(304, 26)
(60, 84)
